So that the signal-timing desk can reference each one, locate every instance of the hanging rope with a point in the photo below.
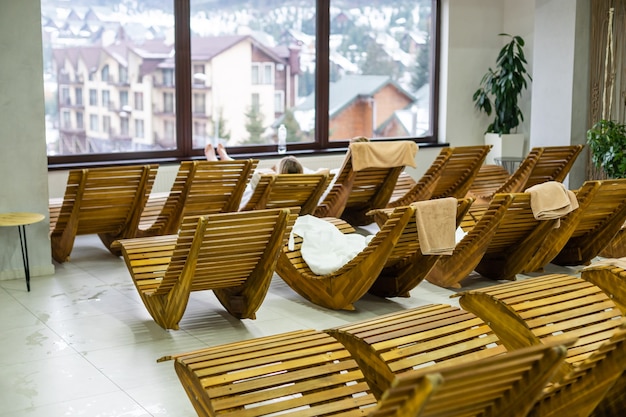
(609, 63)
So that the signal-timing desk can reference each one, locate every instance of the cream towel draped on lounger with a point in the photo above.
(436, 225)
(384, 154)
(551, 200)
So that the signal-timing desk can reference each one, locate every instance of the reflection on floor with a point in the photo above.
(82, 344)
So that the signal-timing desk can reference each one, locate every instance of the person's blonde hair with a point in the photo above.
(289, 165)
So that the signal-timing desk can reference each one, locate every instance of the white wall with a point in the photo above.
(23, 160)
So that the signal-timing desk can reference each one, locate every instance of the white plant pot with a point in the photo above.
(510, 145)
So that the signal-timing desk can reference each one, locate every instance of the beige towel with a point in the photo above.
(617, 262)
(551, 200)
(385, 154)
(436, 225)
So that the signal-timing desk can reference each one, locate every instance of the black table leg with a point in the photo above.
(23, 244)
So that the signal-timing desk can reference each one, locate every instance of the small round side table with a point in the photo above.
(21, 220)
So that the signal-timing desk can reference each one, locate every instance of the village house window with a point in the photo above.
(327, 71)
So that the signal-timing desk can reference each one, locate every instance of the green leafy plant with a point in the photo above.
(607, 141)
(504, 85)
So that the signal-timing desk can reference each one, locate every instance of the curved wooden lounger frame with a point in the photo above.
(233, 254)
(396, 343)
(354, 193)
(308, 373)
(598, 224)
(340, 289)
(611, 278)
(103, 201)
(288, 190)
(583, 232)
(450, 175)
(406, 267)
(616, 248)
(449, 271)
(200, 188)
(539, 309)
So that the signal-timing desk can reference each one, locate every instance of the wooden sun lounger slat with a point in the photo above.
(103, 201)
(233, 254)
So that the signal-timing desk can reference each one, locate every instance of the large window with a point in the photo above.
(232, 72)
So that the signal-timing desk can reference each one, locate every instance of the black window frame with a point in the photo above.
(184, 99)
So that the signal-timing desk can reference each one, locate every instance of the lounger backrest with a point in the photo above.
(224, 250)
(554, 164)
(607, 210)
(408, 244)
(504, 385)
(408, 190)
(537, 309)
(289, 190)
(303, 371)
(460, 170)
(397, 343)
(105, 200)
(517, 225)
(204, 187)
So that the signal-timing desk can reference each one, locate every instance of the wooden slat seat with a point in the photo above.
(200, 188)
(233, 254)
(450, 175)
(406, 267)
(104, 201)
(542, 308)
(353, 193)
(583, 232)
(288, 190)
(340, 289)
(393, 344)
(497, 254)
(610, 275)
(305, 373)
(308, 373)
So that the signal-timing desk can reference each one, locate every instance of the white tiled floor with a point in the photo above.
(82, 344)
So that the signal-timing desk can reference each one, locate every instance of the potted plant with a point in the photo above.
(607, 141)
(499, 92)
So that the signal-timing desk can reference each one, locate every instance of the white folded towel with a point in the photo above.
(325, 248)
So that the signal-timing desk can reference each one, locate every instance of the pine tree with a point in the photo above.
(254, 126)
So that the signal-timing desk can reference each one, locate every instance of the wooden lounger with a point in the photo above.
(200, 188)
(609, 275)
(504, 385)
(539, 309)
(396, 343)
(516, 238)
(598, 224)
(406, 267)
(288, 190)
(354, 193)
(340, 289)
(103, 201)
(616, 248)
(233, 254)
(308, 373)
(450, 175)
(583, 232)
(550, 163)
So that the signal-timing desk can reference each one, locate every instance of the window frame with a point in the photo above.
(183, 100)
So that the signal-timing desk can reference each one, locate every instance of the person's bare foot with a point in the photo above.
(221, 150)
(209, 152)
